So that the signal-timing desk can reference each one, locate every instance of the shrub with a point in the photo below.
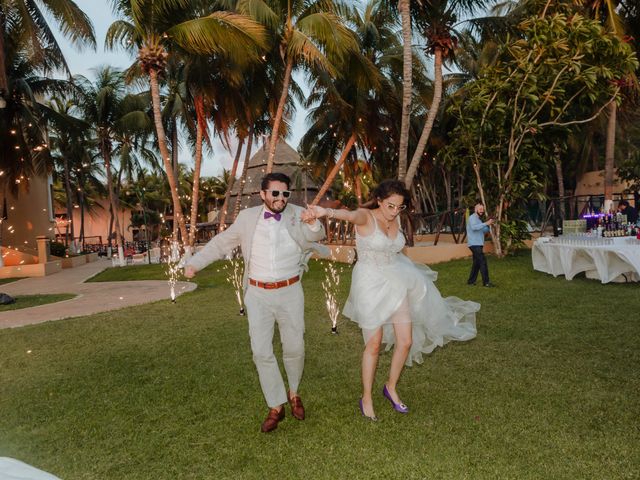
(58, 249)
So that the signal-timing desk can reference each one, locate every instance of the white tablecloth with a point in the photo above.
(619, 262)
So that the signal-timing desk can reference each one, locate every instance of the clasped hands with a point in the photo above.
(312, 213)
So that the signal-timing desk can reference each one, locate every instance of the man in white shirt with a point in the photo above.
(276, 241)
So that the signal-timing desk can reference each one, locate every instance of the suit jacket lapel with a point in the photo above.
(252, 222)
(289, 217)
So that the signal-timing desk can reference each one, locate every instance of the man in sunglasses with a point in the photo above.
(277, 240)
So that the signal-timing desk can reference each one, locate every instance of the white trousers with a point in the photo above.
(286, 307)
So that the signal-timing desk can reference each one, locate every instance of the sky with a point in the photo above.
(82, 62)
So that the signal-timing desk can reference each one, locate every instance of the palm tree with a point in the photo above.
(25, 22)
(249, 103)
(437, 20)
(355, 108)
(607, 12)
(106, 107)
(308, 33)
(404, 7)
(157, 28)
(23, 142)
(67, 142)
(213, 93)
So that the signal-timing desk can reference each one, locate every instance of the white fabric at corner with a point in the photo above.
(12, 469)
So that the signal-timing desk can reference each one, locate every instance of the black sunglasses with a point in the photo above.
(276, 193)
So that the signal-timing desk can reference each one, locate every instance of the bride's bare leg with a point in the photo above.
(402, 329)
(369, 364)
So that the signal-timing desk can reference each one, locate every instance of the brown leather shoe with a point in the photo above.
(297, 409)
(274, 417)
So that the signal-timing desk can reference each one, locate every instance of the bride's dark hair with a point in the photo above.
(384, 190)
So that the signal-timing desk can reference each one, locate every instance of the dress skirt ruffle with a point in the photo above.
(378, 290)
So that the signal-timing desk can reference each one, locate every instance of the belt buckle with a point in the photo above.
(270, 285)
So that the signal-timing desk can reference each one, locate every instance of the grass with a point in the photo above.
(26, 301)
(548, 389)
(8, 280)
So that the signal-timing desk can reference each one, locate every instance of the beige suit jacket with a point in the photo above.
(241, 232)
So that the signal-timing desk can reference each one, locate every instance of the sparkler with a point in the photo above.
(234, 276)
(174, 264)
(330, 286)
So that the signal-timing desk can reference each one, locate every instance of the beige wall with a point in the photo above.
(592, 183)
(96, 222)
(29, 216)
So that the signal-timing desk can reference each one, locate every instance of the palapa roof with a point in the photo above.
(286, 161)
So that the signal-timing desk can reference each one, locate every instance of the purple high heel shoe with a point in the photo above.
(373, 419)
(398, 407)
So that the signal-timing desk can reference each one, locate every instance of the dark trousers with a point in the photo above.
(479, 265)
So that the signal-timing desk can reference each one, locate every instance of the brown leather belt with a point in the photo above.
(274, 285)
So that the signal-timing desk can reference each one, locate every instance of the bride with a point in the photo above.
(394, 300)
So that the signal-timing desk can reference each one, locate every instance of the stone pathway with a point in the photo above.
(90, 297)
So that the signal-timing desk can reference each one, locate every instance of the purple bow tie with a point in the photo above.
(276, 216)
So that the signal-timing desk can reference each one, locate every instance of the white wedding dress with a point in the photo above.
(383, 278)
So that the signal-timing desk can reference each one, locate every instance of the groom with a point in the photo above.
(276, 241)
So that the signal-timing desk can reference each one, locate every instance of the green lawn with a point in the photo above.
(549, 389)
(8, 280)
(26, 301)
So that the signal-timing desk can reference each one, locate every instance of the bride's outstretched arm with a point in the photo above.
(357, 217)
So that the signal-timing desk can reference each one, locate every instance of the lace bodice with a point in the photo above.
(376, 248)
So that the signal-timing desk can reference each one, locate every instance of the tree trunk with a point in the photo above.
(275, 134)
(609, 157)
(334, 171)
(431, 117)
(4, 80)
(446, 177)
(81, 202)
(201, 124)
(243, 177)
(174, 147)
(118, 189)
(178, 216)
(174, 163)
(560, 178)
(232, 180)
(106, 156)
(357, 185)
(110, 230)
(67, 188)
(404, 8)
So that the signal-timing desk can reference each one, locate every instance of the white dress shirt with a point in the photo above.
(275, 255)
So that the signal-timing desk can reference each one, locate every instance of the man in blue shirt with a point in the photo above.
(476, 230)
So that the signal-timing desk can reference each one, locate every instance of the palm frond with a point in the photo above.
(73, 22)
(225, 33)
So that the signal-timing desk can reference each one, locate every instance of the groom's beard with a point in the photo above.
(276, 205)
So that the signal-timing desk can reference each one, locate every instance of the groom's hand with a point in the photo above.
(189, 271)
(307, 216)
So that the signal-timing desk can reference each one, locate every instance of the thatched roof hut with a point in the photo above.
(286, 161)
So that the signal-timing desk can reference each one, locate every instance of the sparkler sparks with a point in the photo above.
(174, 264)
(234, 269)
(330, 286)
